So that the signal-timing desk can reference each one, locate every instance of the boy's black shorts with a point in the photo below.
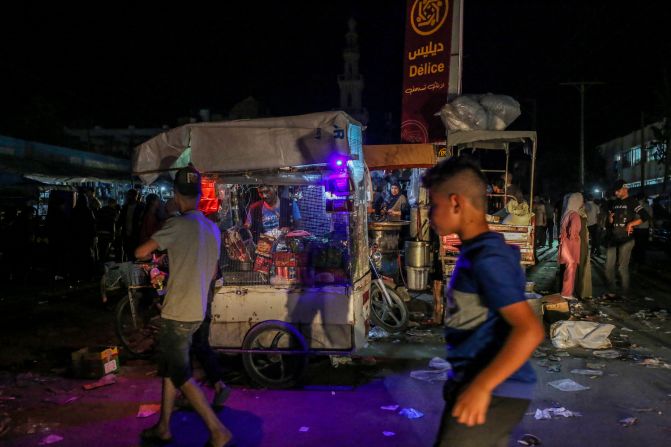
(503, 415)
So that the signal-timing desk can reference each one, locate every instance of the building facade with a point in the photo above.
(636, 157)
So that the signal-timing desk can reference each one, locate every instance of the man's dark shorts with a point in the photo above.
(174, 343)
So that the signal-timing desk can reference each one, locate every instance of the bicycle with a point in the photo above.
(137, 315)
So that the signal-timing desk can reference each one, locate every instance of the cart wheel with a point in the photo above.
(139, 338)
(275, 370)
(392, 318)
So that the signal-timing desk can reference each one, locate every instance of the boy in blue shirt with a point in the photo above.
(491, 330)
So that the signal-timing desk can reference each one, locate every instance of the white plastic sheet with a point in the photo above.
(587, 334)
(480, 112)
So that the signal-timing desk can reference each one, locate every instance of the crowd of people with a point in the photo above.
(583, 226)
(79, 235)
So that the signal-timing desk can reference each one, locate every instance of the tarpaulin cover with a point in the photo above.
(246, 145)
(399, 156)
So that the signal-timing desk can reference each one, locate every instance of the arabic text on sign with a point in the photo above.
(428, 50)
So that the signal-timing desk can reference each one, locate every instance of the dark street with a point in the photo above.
(335, 406)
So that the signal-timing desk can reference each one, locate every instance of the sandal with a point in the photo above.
(149, 436)
(221, 396)
(230, 443)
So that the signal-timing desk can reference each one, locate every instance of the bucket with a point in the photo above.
(417, 254)
(417, 278)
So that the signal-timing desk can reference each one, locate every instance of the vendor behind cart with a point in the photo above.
(272, 214)
(397, 204)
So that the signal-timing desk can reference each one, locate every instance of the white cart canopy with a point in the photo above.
(251, 145)
(489, 139)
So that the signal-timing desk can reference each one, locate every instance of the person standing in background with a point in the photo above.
(550, 217)
(642, 235)
(569, 243)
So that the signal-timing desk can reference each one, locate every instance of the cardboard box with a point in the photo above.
(95, 362)
(555, 308)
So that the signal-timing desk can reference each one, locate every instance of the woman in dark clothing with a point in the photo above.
(83, 235)
(153, 218)
(397, 204)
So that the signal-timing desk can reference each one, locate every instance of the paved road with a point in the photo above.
(337, 406)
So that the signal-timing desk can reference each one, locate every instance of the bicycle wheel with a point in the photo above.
(138, 335)
(274, 370)
(392, 318)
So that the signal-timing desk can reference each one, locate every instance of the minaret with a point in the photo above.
(351, 82)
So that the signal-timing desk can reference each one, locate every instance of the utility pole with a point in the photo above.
(643, 154)
(581, 86)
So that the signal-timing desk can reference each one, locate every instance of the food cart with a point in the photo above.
(284, 295)
(494, 151)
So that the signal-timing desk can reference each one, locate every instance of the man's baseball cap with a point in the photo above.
(619, 184)
(187, 181)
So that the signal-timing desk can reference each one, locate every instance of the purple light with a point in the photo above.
(337, 161)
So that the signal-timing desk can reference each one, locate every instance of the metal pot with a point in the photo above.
(417, 278)
(386, 241)
(417, 254)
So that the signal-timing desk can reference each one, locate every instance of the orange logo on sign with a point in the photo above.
(427, 16)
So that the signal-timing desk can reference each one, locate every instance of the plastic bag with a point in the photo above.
(480, 112)
(464, 113)
(590, 335)
(567, 385)
(502, 110)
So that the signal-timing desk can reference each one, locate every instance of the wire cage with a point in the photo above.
(286, 260)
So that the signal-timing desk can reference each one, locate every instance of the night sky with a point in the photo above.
(114, 66)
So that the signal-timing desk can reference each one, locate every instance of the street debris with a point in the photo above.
(109, 379)
(628, 422)
(647, 298)
(528, 439)
(654, 363)
(388, 433)
(587, 334)
(554, 368)
(626, 329)
(411, 413)
(390, 407)
(51, 439)
(304, 429)
(60, 400)
(594, 365)
(554, 358)
(539, 354)
(147, 410)
(587, 372)
(439, 373)
(607, 354)
(377, 333)
(5, 424)
(30, 427)
(567, 385)
(439, 363)
(339, 360)
(548, 413)
(562, 354)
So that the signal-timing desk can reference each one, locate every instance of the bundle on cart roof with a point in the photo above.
(250, 145)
